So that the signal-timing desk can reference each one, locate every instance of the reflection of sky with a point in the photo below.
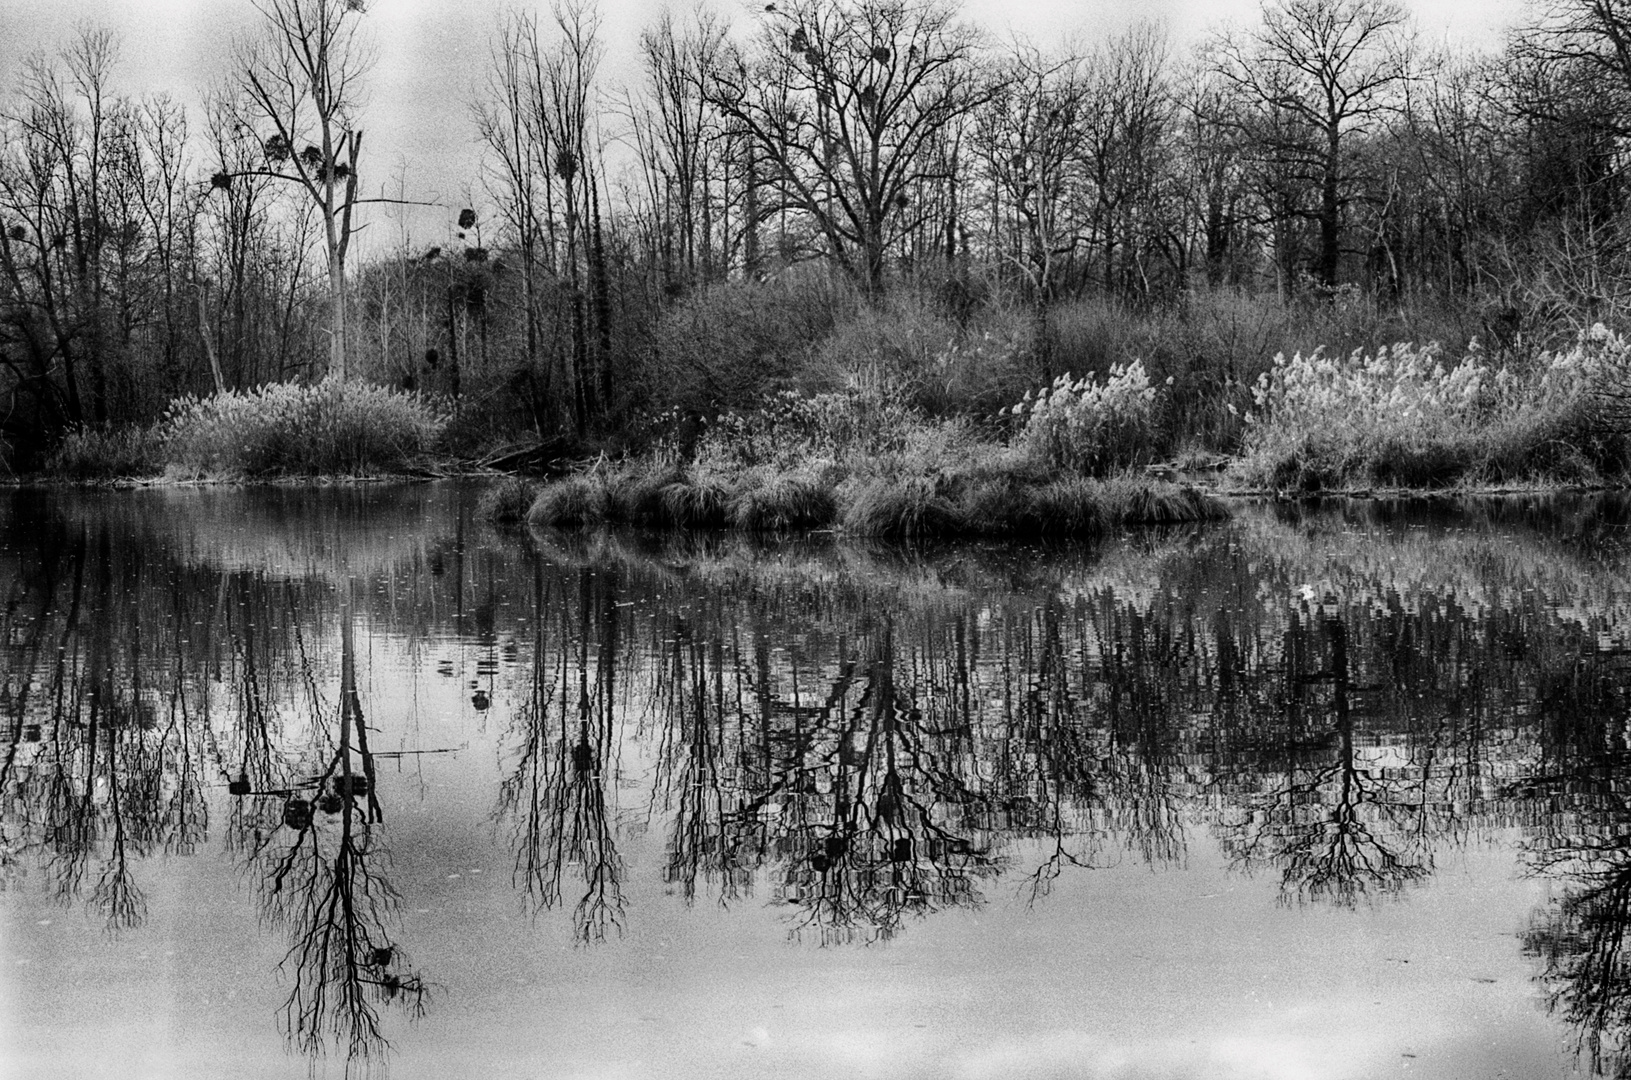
(1123, 972)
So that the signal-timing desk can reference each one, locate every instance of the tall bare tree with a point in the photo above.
(1029, 136)
(301, 76)
(843, 102)
(1319, 74)
(680, 138)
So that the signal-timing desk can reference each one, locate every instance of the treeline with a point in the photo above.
(870, 195)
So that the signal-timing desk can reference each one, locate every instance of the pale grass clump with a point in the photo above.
(1400, 416)
(1088, 427)
(334, 427)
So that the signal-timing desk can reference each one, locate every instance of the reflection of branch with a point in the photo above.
(1315, 830)
(1580, 939)
(1040, 882)
(893, 845)
(340, 963)
(116, 894)
(1322, 827)
(556, 789)
(323, 888)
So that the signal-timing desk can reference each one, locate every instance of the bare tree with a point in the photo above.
(679, 136)
(1592, 35)
(1212, 173)
(1318, 73)
(301, 77)
(1125, 126)
(1029, 136)
(843, 101)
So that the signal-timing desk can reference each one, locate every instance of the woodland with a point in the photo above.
(1310, 242)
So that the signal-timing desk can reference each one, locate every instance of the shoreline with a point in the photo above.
(1169, 477)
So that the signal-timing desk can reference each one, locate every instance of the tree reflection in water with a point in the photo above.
(816, 771)
(858, 736)
(1580, 837)
(1333, 822)
(104, 760)
(131, 685)
(323, 887)
(561, 755)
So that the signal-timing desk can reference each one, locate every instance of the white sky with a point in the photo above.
(432, 53)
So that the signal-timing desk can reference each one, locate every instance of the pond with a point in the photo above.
(341, 779)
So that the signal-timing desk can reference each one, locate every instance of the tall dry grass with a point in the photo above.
(333, 427)
(1405, 416)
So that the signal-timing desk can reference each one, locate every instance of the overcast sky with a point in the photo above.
(432, 54)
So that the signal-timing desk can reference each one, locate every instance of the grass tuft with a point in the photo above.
(507, 502)
(696, 502)
(570, 501)
(1073, 505)
(635, 494)
(770, 500)
(901, 507)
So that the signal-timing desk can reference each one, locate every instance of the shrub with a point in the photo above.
(730, 343)
(912, 352)
(89, 453)
(334, 427)
(790, 430)
(1088, 427)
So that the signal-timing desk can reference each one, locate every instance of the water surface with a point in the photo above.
(341, 780)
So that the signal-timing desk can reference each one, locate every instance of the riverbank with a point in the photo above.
(1075, 457)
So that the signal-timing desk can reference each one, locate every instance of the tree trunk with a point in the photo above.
(1330, 249)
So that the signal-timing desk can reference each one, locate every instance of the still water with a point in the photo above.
(342, 780)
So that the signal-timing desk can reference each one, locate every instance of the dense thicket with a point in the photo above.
(868, 195)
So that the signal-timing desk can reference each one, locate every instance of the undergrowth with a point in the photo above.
(873, 466)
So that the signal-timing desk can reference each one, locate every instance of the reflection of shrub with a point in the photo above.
(1089, 427)
(335, 427)
(107, 454)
